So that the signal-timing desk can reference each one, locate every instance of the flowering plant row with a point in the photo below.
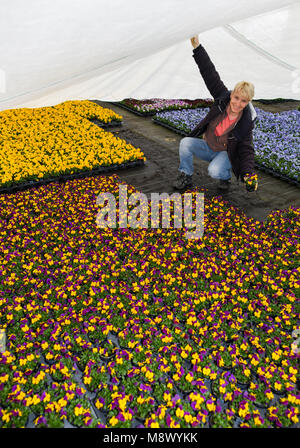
(50, 141)
(276, 136)
(153, 105)
(277, 141)
(141, 327)
(183, 120)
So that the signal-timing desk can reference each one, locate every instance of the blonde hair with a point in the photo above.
(245, 88)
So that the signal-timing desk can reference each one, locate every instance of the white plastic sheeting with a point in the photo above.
(57, 50)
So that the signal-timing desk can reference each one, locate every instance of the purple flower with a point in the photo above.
(168, 420)
(41, 420)
(120, 417)
(145, 387)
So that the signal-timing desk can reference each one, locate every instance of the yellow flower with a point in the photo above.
(295, 419)
(277, 385)
(213, 375)
(211, 407)
(122, 403)
(257, 421)
(167, 396)
(79, 410)
(36, 399)
(228, 396)
(113, 421)
(162, 413)
(206, 371)
(6, 417)
(243, 412)
(21, 396)
(87, 380)
(127, 415)
(4, 378)
(189, 418)
(173, 424)
(98, 404)
(47, 397)
(189, 377)
(179, 413)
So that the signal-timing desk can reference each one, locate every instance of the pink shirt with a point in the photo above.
(223, 125)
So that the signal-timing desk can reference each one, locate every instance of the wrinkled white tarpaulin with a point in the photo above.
(57, 50)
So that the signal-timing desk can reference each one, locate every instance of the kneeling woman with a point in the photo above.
(227, 142)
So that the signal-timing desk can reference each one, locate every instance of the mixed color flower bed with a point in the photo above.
(154, 105)
(276, 136)
(142, 327)
(50, 141)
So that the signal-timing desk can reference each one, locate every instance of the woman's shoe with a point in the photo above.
(224, 184)
(183, 181)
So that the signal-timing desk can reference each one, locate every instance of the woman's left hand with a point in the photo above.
(195, 41)
(251, 182)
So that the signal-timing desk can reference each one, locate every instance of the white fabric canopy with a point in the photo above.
(57, 50)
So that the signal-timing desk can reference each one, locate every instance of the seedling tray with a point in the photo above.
(64, 177)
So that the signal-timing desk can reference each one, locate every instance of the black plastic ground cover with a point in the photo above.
(64, 177)
(111, 124)
(257, 165)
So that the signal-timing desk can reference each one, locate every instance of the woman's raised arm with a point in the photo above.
(207, 69)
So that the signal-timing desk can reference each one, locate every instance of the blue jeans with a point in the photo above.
(219, 166)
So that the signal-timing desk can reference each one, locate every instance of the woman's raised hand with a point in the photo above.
(195, 41)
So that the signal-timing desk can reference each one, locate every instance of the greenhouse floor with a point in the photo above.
(160, 146)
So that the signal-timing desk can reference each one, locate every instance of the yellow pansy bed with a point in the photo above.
(50, 141)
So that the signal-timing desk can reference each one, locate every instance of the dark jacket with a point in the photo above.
(240, 140)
